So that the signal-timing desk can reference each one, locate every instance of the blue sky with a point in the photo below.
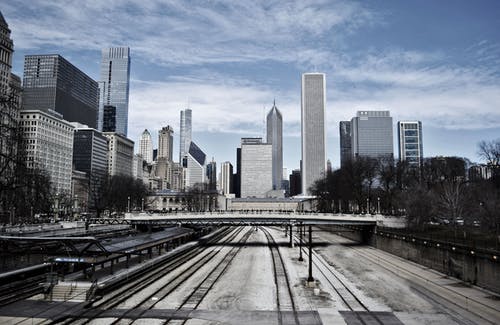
(435, 61)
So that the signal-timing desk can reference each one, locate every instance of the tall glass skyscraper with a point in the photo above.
(185, 133)
(313, 129)
(114, 85)
(275, 137)
(410, 142)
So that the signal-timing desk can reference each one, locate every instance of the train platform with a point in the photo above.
(122, 253)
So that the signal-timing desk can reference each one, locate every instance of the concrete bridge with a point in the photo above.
(258, 218)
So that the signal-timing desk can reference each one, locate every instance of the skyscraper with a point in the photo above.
(166, 143)
(345, 142)
(275, 138)
(194, 163)
(185, 132)
(371, 133)
(313, 129)
(114, 85)
(211, 170)
(410, 142)
(226, 178)
(52, 83)
(256, 168)
(146, 146)
(6, 50)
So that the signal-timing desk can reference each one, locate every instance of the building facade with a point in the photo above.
(410, 142)
(345, 142)
(166, 143)
(120, 154)
(10, 90)
(275, 138)
(146, 146)
(114, 85)
(372, 135)
(185, 133)
(313, 105)
(109, 118)
(6, 51)
(256, 168)
(211, 170)
(90, 153)
(48, 141)
(194, 164)
(295, 182)
(226, 178)
(52, 83)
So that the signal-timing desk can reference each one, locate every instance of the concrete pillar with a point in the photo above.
(310, 277)
(112, 262)
(291, 236)
(127, 262)
(150, 252)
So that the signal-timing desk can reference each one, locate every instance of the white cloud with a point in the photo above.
(181, 32)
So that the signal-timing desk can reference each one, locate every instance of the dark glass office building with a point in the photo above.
(345, 142)
(90, 152)
(52, 83)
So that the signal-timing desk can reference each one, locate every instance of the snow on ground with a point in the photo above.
(248, 283)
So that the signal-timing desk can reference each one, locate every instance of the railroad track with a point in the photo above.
(122, 290)
(376, 258)
(192, 301)
(21, 289)
(350, 300)
(285, 301)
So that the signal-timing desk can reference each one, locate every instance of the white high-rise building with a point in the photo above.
(114, 85)
(120, 154)
(226, 178)
(313, 129)
(166, 143)
(146, 146)
(185, 133)
(275, 138)
(256, 168)
(49, 142)
(194, 163)
(410, 142)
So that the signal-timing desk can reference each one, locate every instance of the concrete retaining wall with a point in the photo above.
(475, 266)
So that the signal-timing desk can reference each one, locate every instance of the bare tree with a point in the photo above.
(490, 151)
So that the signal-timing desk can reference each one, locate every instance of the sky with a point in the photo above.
(433, 61)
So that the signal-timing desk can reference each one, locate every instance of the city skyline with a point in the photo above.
(444, 72)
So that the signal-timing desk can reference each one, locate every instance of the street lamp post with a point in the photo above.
(128, 204)
(142, 205)
(378, 205)
(367, 205)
